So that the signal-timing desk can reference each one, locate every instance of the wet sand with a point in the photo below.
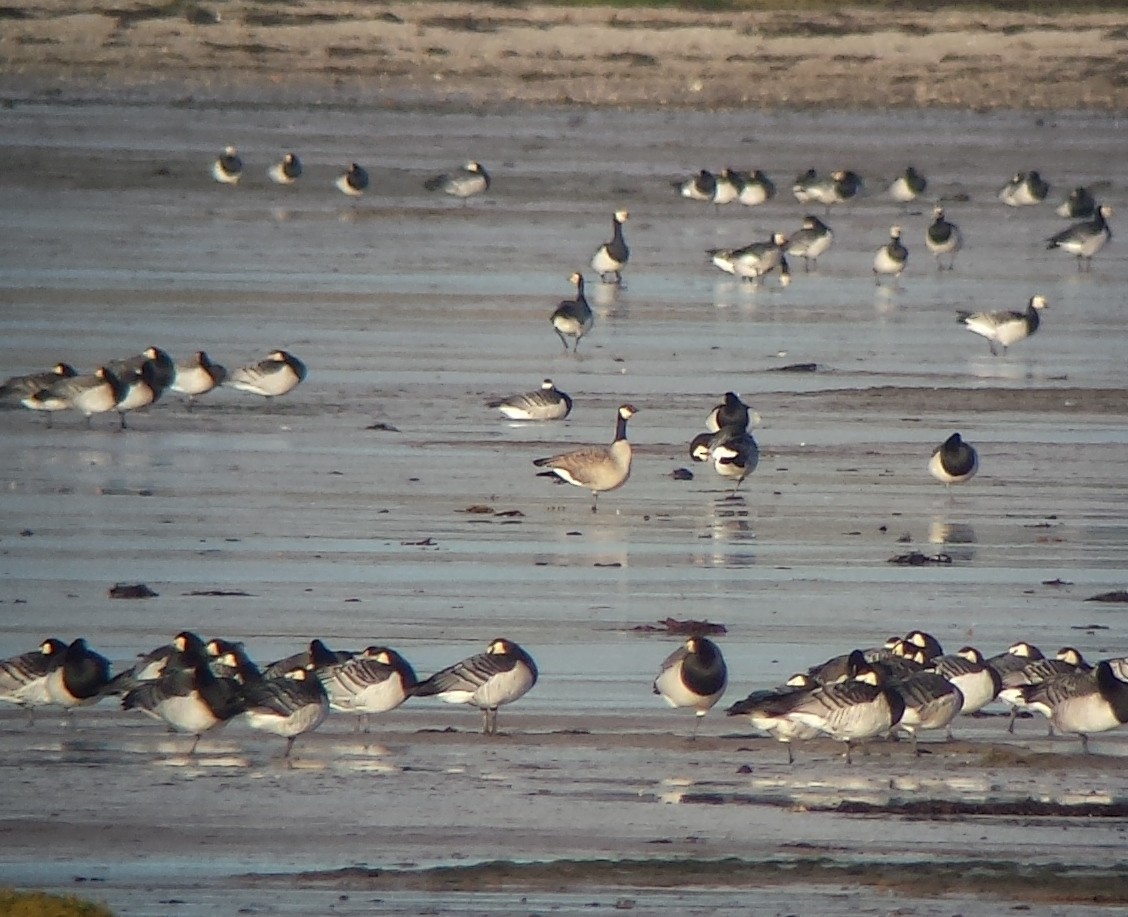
(411, 313)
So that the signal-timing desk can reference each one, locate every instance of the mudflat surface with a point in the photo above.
(342, 510)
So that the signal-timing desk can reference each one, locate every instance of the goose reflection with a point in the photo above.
(726, 527)
(957, 538)
(608, 301)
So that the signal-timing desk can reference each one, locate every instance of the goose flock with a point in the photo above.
(905, 686)
(136, 382)
(195, 686)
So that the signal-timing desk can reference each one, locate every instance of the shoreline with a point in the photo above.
(456, 54)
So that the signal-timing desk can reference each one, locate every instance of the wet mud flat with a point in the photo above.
(352, 508)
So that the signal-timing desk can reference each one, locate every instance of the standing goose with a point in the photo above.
(1080, 205)
(1067, 661)
(280, 372)
(907, 186)
(375, 681)
(1083, 703)
(597, 468)
(77, 677)
(700, 187)
(546, 403)
(1016, 657)
(228, 167)
(731, 412)
(943, 238)
(732, 450)
(353, 182)
(287, 171)
(462, 183)
(16, 388)
(611, 257)
(694, 675)
(289, 705)
(930, 700)
(573, 318)
(812, 239)
(967, 670)
(858, 708)
(755, 188)
(23, 678)
(163, 366)
(780, 728)
(96, 393)
(197, 376)
(500, 675)
(1024, 190)
(752, 262)
(1004, 327)
(1084, 239)
(891, 258)
(141, 388)
(953, 461)
(188, 698)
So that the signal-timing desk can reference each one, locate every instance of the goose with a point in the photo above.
(1005, 327)
(779, 728)
(858, 708)
(954, 461)
(943, 238)
(919, 641)
(1015, 657)
(694, 675)
(376, 680)
(190, 699)
(287, 171)
(23, 678)
(16, 388)
(1080, 205)
(1067, 661)
(726, 187)
(755, 188)
(891, 258)
(907, 186)
(612, 256)
(810, 241)
(967, 670)
(573, 318)
(1083, 703)
(502, 674)
(462, 183)
(353, 181)
(228, 167)
(700, 187)
(77, 676)
(733, 452)
(1084, 239)
(809, 187)
(289, 705)
(841, 667)
(197, 376)
(164, 368)
(280, 372)
(316, 656)
(596, 468)
(141, 388)
(731, 412)
(752, 262)
(92, 394)
(181, 652)
(1024, 190)
(546, 403)
(930, 700)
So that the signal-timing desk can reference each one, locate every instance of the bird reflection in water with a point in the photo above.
(727, 527)
(958, 538)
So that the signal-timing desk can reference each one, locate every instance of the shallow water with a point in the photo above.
(413, 312)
